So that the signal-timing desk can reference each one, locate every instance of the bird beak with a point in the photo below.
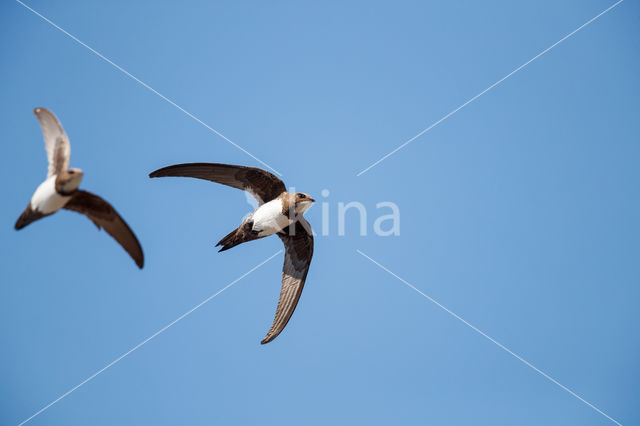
(312, 200)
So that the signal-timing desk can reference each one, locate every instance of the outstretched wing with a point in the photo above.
(263, 185)
(56, 141)
(105, 216)
(298, 244)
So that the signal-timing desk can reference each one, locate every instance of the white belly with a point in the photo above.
(268, 219)
(46, 199)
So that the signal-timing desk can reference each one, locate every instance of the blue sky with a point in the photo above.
(519, 213)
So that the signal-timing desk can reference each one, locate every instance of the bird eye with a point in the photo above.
(300, 195)
(71, 172)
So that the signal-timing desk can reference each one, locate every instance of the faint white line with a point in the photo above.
(127, 73)
(490, 87)
(136, 347)
(500, 345)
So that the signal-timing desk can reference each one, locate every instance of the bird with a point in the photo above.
(279, 212)
(60, 191)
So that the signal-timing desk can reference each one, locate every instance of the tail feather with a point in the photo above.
(240, 235)
(28, 216)
(232, 239)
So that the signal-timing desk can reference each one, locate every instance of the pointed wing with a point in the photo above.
(298, 244)
(56, 141)
(263, 185)
(105, 216)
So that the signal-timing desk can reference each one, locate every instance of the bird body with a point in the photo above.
(279, 212)
(60, 191)
(46, 199)
(270, 218)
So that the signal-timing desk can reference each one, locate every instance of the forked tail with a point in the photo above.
(28, 216)
(232, 239)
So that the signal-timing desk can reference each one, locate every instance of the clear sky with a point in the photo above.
(519, 213)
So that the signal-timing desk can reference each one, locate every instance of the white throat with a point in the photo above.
(303, 206)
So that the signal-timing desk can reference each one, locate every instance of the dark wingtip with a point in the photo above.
(160, 172)
(271, 336)
(268, 339)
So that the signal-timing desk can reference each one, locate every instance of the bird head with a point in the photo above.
(302, 202)
(68, 181)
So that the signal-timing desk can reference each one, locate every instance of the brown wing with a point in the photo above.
(263, 185)
(56, 141)
(298, 244)
(105, 216)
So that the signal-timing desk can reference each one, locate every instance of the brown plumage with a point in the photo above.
(298, 244)
(263, 185)
(103, 215)
(241, 234)
(56, 141)
(279, 212)
(28, 216)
